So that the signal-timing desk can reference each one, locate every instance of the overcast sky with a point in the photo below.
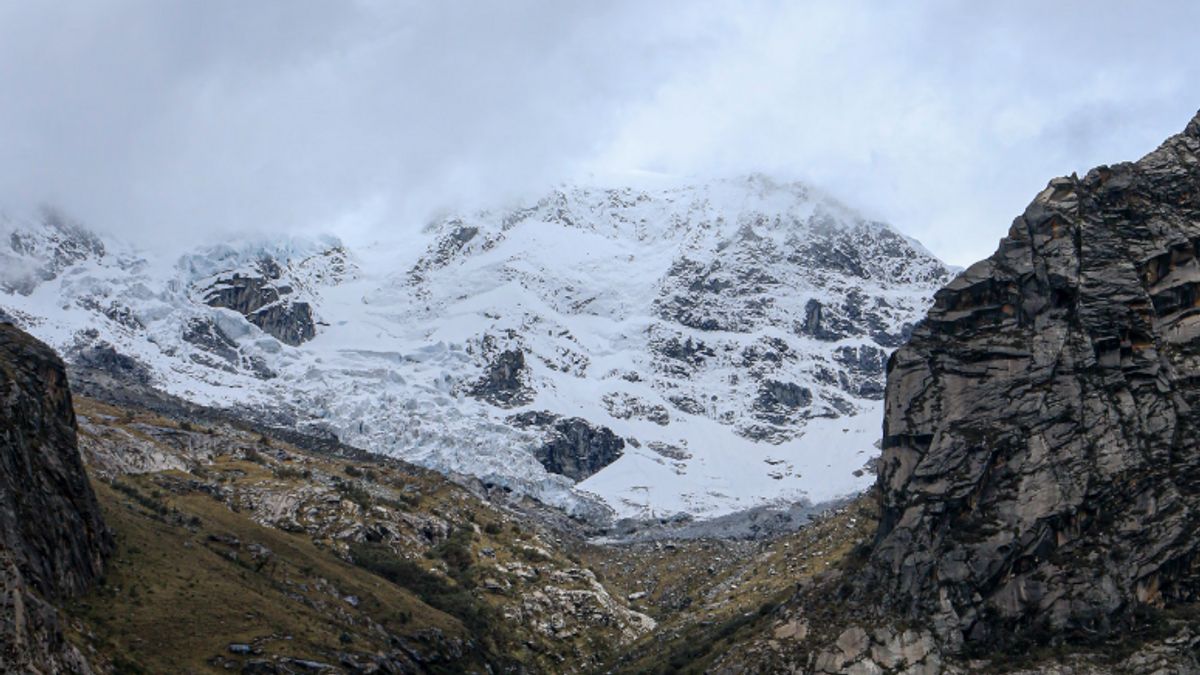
(164, 120)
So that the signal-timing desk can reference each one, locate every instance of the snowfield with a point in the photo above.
(732, 335)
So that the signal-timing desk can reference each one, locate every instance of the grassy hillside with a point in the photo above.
(236, 549)
(191, 577)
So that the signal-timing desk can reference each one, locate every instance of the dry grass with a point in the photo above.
(173, 599)
(710, 596)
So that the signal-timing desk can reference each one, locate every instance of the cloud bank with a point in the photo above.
(168, 122)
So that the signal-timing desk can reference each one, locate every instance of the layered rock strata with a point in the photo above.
(1041, 465)
(52, 540)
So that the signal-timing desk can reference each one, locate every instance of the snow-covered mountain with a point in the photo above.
(697, 348)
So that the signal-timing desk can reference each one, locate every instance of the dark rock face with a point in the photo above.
(264, 301)
(104, 357)
(778, 402)
(580, 449)
(1041, 464)
(61, 244)
(785, 394)
(502, 384)
(208, 336)
(52, 540)
(51, 520)
(819, 324)
(862, 367)
(220, 351)
(460, 238)
(574, 448)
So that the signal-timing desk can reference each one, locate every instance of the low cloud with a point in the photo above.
(168, 122)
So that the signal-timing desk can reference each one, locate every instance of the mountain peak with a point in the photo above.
(1193, 127)
(709, 346)
(1043, 412)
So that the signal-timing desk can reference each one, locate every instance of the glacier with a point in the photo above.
(731, 333)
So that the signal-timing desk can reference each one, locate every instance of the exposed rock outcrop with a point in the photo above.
(101, 356)
(1040, 477)
(574, 447)
(626, 406)
(263, 298)
(52, 539)
(503, 383)
(57, 244)
(220, 351)
(778, 401)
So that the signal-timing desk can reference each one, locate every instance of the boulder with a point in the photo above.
(573, 447)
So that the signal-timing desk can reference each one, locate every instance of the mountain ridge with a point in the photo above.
(1037, 497)
(669, 319)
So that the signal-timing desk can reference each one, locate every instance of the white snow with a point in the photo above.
(582, 282)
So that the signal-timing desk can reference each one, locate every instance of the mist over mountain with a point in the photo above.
(689, 349)
(163, 122)
(570, 338)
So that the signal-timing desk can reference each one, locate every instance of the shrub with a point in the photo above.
(355, 493)
(290, 473)
(456, 551)
(433, 590)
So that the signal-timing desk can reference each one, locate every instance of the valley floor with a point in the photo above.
(238, 550)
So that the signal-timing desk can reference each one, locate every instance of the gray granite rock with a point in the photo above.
(266, 301)
(52, 540)
(1041, 465)
(573, 447)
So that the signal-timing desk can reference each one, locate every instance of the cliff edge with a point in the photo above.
(1041, 466)
(52, 539)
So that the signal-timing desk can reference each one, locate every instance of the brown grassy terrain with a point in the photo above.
(710, 595)
(233, 537)
(183, 586)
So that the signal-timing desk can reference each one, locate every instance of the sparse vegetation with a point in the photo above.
(285, 472)
(355, 492)
(163, 577)
(150, 502)
(437, 591)
(459, 566)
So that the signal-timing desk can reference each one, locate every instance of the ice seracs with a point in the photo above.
(697, 348)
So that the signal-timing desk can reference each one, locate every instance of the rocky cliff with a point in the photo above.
(52, 540)
(1041, 468)
(265, 300)
(573, 447)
